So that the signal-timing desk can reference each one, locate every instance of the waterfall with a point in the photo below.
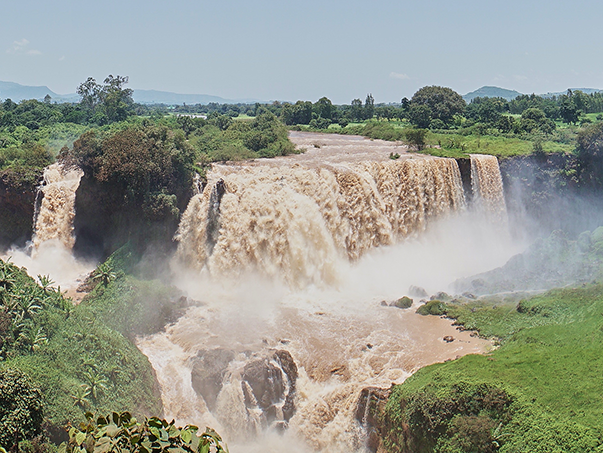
(295, 260)
(298, 221)
(487, 186)
(54, 218)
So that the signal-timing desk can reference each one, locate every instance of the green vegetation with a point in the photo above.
(70, 354)
(119, 432)
(538, 392)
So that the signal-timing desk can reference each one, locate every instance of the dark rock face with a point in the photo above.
(208, 373)
(17, 200)
(268, 381)
(464, 164)
(103, 223)
(213, 216)
(371, 404)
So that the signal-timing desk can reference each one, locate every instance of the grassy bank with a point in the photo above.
(80, 358)
(539, 392)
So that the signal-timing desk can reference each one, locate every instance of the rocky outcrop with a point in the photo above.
(269, 384)
(268, 381)
(208, 373)
(369, 410)
(17, 200)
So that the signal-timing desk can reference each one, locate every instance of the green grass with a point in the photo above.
(548, 367)
(456, 145)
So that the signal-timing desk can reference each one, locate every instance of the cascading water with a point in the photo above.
(487, 186)
(293, 259)
(54, 218)
(53, 238)
(298, 222)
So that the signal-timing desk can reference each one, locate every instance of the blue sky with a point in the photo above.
(289, 50)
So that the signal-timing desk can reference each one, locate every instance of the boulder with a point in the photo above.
(417, 291)
(369, 408)
(403, 302)
(269, 384)
(208, 373)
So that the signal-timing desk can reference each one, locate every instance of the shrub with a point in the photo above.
(433, 307)
(20, 408)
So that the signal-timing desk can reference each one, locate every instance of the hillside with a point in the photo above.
(491, 92)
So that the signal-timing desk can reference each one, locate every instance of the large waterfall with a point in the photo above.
(296, 261)
(298, 221)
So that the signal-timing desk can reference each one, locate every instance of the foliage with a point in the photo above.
(415, 137)
(444, 103)
(120, 432)
(74, 358)
(21, 408)
(139, 168)
(106, 103)
(590, 155)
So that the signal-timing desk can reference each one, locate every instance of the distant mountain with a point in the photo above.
(168, 98)
(491, 92)
(17, 93)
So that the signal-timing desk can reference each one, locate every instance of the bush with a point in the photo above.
(433, 307)
(415, 138)
(20, 408)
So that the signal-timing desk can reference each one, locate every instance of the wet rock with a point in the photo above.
(369, 407)
(448, 338)
(403, 302)
(468, 295)
(417, 291)
(444, 297)
(269, 384)
(208, 374)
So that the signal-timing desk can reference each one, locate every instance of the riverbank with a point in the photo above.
(538, 392)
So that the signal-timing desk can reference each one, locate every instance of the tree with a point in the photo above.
(116, 100)
(443, 102)
(324, 108)
(568, 111)
(109, 102)
(534, 119)
(369, 107)
(420, 115)
(415, 137)
(89, 91)
(356, 110)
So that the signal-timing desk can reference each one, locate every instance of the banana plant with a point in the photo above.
(80, 397)
(96, 383)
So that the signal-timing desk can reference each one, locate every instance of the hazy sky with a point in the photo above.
(289, 49)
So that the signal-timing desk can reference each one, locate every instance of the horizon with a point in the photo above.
(247, 100)
(303, 50)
